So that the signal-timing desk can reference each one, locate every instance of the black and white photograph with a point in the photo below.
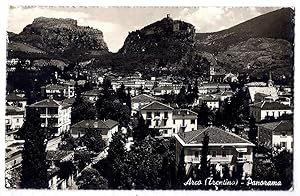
(149, 98)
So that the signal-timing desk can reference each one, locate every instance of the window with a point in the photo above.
(196, 154)
(52, 110)
(283, 144)
(149, 114)
(173, 130)
(164, 122)
(17, 120)
(174, 122)
(156, 123)
(193, 129)
(213, 153)
(183, 122)
(283, 134)
(165, 131)
(240, 155)
(267, 113)
(278, 113)
(193, 121)
(156, 113)
(43, 120)
(166, 115)
(223, 153)
(273, 113)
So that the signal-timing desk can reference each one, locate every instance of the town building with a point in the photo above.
(224, 148)
(184, 120)
(269, 110)
(141, 100)
(216, 74)
(159, 116)
(106, 127)
(57, 178)
(209, 88)
(212, 101)
(13, 99)
(54, 114)
(14, 118)
(91, 95)
(276, 134)
(58, 91)
(264, 90)
(168, 120)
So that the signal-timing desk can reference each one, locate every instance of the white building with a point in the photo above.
(264, 110)
(14, 118)
(160, 116)
(13, 99)
(168, 120)
(225, 148)
(276, 134)
(184, 120)
(58, 91)
(141, 100)
(54, 114)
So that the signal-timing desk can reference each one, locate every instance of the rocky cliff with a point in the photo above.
(60, 35)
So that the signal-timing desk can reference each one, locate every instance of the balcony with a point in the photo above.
(241, 159)
(218, 159)
(195, 160)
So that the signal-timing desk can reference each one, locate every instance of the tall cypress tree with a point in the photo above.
(34, 168)
(204, 168)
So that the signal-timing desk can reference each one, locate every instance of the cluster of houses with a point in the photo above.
(267, 103)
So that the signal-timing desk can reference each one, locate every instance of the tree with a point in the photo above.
(67, 142)
(181, 176)
(92, 139)
(204, 168)
(34, 168)
(283, 162)
(204, 114)
(117, 168)
(181, 97)
(91, 179)
(82, 159)
(82, 110)
(252, 134)
(141, 130)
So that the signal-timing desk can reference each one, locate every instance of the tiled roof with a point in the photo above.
(271, 91)
(97, 124)
(12, 110)
(184, 113)
(54, 87)
(46, 103)
(155, 105)
(264, 105)
(144, 98)
(278, 126)
(57, 155)
(216, 136)
(111, 123)
(15, 97)
(256, 84)
(94, 92)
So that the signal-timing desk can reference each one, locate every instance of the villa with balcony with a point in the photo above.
(225, 148)
(54, 114)
(168, 120)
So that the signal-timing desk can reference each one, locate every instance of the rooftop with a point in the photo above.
(265, 105)
(144, 98)
(184, 113)
(278, 126)
(57, 155)
(216, 136)
(96, 124)
(15, 97)
(49, 103)
(155, 105)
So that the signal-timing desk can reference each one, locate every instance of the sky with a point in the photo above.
(117, 22)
